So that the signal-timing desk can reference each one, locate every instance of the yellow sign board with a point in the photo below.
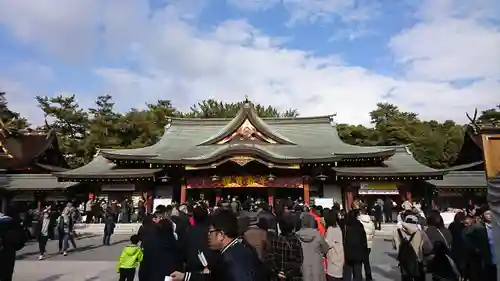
(374, 188)
(379, 186)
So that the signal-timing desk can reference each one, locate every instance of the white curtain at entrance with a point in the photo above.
(333, 191)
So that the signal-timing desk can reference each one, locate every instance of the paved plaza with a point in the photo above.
(93, 262)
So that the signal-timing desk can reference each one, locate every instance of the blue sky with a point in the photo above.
(321, 57)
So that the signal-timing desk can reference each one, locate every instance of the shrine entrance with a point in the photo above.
(258, 187)
(243, 193)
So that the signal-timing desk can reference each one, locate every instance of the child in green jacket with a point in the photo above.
(129, 260)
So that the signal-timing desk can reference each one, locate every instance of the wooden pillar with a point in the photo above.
(148, 200)
(307, 199)
(39, 198)
(349, 198)
(217, 196)
(408, 195)
(183, 192)
(405, 193)
(270, 196)
(433, 204)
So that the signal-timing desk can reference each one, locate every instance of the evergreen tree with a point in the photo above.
(12, 121)
(103, 131)
(71, 124)
(217, 109)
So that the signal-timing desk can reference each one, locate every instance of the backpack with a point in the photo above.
(408, 258)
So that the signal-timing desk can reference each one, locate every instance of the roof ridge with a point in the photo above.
(197, 121)
(463, 166)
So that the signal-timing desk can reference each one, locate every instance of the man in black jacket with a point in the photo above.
(238, 261)
(12, 239)
(270, 219)
(197, 243)
(161, 250)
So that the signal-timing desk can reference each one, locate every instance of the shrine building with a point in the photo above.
(252, 156)
(27, 161)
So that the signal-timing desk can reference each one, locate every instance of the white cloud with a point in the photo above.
(177, 61)
(53, 24)
(450, 43)
(254, 4)
(20, 100)
(317, 10)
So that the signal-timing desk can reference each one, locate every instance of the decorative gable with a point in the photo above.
(247, 127)
(247, 133)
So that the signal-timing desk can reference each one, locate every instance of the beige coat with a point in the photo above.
(335, 255)
(369, 227)
(420, 241)
(257, 238)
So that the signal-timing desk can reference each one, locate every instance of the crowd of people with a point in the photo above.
(251, 241)
(463, 251)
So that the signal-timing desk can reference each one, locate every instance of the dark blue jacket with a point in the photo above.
(238, 262)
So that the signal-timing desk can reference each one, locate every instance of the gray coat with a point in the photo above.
(314, 247)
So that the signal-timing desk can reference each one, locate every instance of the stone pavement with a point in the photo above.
(93, 262)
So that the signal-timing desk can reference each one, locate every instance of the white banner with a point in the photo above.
(324, 202)
(377, 192)
(162, 201)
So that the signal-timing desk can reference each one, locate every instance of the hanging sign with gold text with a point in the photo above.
(244, 182)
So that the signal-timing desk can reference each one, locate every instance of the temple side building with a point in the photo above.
(464, 182)
(248, 155)
(27, 161)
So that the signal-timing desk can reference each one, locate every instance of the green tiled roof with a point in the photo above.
(402, 163)
(101, 167)
(461, 179)
(309, 139)
(32, 182)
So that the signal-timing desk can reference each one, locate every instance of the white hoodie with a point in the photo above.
(369, 228)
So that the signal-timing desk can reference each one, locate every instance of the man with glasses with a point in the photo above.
(238, 262)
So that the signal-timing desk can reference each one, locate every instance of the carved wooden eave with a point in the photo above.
(243, 161)
(249, 127)
(4, 151)
(247, 133)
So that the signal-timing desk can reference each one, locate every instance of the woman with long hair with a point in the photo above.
(161, 250)
(458, 251)
(335, 255)
(355, 245)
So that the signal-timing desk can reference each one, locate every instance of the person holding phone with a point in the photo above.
(238, 261)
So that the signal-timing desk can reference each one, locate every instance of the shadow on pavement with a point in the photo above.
(85, 236)
(393, 255)
(26, 255)
(120, 241)
(84, 248)
(74, 250)
(51, 278)
(389, 274)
